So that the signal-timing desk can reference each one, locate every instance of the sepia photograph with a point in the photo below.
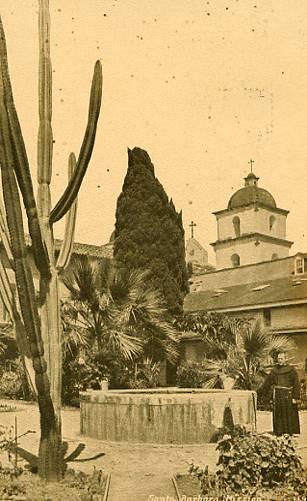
(153, 246)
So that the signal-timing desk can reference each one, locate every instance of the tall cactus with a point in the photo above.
(40, 331)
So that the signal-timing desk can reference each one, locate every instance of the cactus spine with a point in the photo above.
(40, 335)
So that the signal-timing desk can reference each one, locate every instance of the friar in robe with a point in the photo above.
(282, 384)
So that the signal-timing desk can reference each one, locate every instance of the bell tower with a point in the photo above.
(252, 229)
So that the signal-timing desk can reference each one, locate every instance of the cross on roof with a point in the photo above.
(192, 226)
(251, 164)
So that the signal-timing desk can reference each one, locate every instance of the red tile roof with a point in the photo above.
(245, 296)
(98, 251)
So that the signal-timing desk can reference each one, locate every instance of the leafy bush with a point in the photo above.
(80, 374)
(85, 372)
(75, 486)
(146, 375)
(250, 463)
(10, 385)
(235, 347)
(13, 382)
(191, 375)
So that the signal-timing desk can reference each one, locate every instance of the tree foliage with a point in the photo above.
(149, 232)
(234, 346)
(118, 311)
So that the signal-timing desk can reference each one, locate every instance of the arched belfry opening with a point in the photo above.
(272, 220)
(236, 226)
(235, 260)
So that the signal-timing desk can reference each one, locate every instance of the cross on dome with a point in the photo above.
(251, 164)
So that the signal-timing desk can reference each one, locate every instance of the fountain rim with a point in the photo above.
(164, 391)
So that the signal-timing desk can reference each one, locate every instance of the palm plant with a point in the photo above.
(217, 330)
(73, 340)
(146, 374)
(142, 312)
(89, 307)
(248, 357)
(117, 310)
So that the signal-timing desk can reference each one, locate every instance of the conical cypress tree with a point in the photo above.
(148, 231)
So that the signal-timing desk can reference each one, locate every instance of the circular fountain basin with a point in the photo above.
(163, 416)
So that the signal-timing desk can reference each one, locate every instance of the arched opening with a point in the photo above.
(272, 220)
(274, 256)
(235, 260)
(236, 226)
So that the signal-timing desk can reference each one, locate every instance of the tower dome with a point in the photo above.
(251, 194)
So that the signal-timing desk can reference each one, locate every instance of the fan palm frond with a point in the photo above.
(256, 339)
(119, 309)
(128, 347)
(80, 279)
(281, 343)
(75, 339)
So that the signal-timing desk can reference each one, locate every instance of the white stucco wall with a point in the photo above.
(195, 253)
(249, 252)
(251, 221)
(290, 317)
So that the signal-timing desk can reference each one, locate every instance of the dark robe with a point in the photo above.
(282, 385)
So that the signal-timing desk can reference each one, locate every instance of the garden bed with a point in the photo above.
(8, 408)
(75, 487)
(189, 488)
(249, 465)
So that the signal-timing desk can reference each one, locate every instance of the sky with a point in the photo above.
(203, 86)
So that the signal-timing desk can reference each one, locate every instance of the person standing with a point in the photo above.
(283, 386)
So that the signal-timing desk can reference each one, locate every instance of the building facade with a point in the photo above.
(255, 276)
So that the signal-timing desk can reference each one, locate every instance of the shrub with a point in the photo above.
(81, 374)
(10, 385)
(191, 375)
(146, 375)
(13, 381)
(85, 372)
(76, 486)
(249, 463)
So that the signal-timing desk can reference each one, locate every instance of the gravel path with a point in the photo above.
(137, 471)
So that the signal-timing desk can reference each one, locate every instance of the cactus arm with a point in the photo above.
(70, 223)
(4, 235)
(21, 164)
(45, 135)
(8, 298)
(24, 279)
(65, 202)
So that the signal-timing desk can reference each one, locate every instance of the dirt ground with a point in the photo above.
(138, 472)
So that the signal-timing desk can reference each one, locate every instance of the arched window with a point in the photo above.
(236, 226)
(235, 259)
(274, 256)
(272, 222)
